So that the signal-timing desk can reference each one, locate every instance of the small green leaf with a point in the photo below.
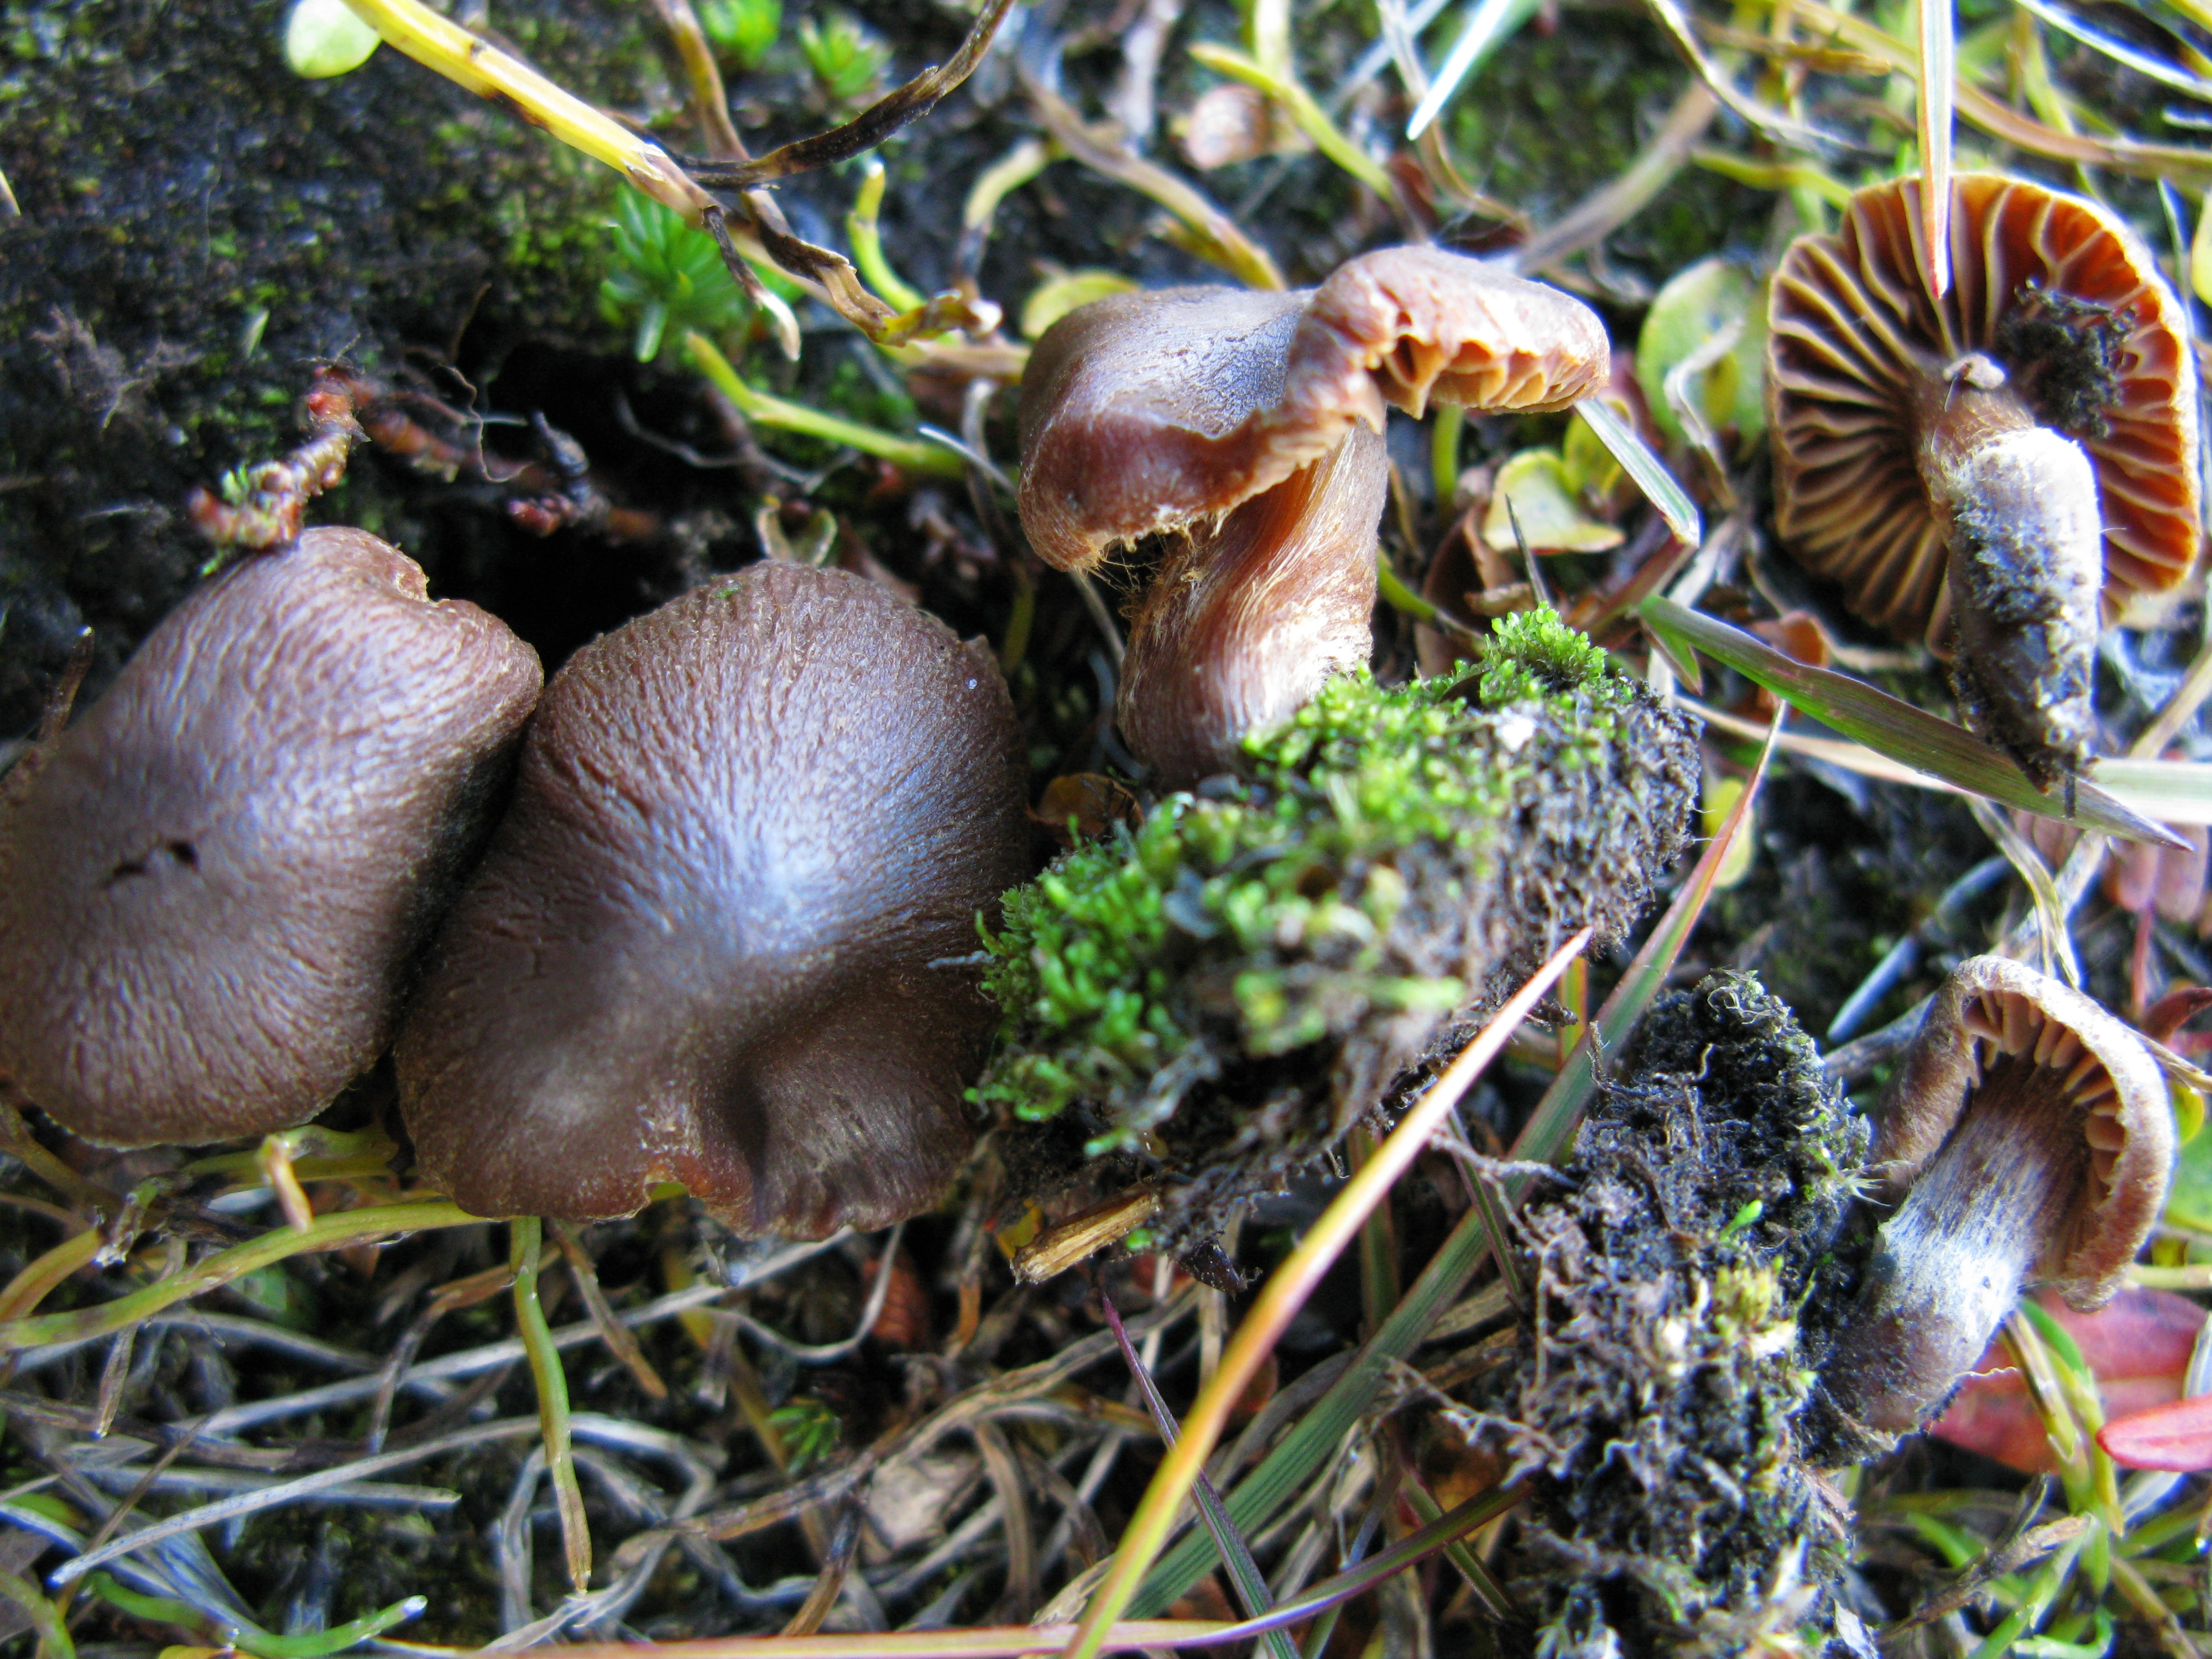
(1542, 498)
(323, 39)
(1686, 320)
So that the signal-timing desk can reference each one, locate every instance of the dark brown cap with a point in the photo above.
(1183, 413)
(212, 887)
(725, 935)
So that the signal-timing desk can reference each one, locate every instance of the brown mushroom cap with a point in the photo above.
(2051, 288)
(1244, 428)
(722, 936)
(2098, 1073)
(212, 886)
(1151, 412)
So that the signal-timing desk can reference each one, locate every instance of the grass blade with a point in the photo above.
(1286, 1291)
(1938, 75)
(2172, 792)
(1287, 1469)
(1649, 472)
(525, 1237)
(1250, 1584)
(1895, 729)
(328, 1232)
(1488, 22)
(914, 454)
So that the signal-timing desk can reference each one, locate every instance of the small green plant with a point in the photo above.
(810, 1428)
(846, 59)
(668, 278)
(744, 28)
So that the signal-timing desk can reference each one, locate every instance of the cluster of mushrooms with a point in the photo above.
(714, 937)
(705, 911)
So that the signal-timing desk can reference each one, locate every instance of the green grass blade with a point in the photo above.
(1650, 473)
(1250, 1584)
(1886, 725)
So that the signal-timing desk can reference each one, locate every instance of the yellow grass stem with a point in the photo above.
(326, 1232)
(439, 43)
(1286, 1291)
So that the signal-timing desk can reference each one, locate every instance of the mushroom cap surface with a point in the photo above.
(213, 886)
(1991, 1006)
(2052, 287)
(1156, 411)
(721, 936)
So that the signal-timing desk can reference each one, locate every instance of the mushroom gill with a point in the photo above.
(2026, 1140)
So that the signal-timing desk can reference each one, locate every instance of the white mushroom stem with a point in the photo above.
(1948, 1266)
(2017, 504)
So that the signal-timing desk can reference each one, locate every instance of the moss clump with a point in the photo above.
(1674, 1509)
(1218, 994)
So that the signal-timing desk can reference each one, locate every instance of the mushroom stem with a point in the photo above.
(1245, 619)
(2017, 505)
(1948, 1266)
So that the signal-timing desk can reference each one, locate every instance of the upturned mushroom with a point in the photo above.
(2000, 473)
(725, 935)
(214, 885)
(2027, 1139)
(1242, 430)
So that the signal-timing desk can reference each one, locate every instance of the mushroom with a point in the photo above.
(2029, 1137)
(1243, 430)
(2002, 473)
(214, 885)
(724, 936)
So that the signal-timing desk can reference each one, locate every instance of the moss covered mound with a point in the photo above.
(1658, 1400)
(1216, 995)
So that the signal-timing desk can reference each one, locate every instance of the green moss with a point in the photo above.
(1232, 982)
(1534, 655)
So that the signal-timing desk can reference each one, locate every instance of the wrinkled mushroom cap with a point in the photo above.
(723, 935)
(213, 886)
(2052, 287)
(1149, 412)
(1991, 1006)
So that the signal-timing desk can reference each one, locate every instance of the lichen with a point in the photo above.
(1657, 1390)
(1218, 992)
